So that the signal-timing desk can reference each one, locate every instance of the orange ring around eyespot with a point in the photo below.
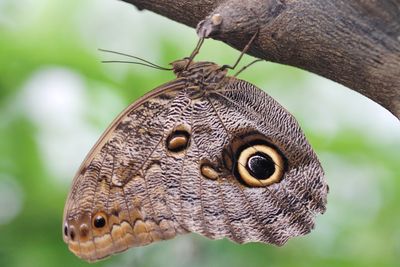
(248, 178)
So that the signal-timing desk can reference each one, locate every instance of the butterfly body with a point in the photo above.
(204, 153)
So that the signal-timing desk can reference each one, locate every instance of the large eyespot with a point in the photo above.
(99, 220)
(260, 165)
(178, 140)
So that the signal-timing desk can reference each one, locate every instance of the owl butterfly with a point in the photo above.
(206, 153)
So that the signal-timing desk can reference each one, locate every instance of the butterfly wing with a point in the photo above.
(281, 210)
(173, 163)
(110, 203)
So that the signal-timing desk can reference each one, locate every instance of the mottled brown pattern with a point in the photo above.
(166, 167)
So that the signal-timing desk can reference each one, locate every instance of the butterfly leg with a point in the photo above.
(246, 66)
(242, 53)
(195, 51)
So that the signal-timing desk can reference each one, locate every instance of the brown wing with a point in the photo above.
(194, 159)
(103, 214)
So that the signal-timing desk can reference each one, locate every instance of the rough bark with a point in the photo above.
(355, 43)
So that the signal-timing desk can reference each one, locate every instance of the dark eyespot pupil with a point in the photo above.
(66, 230)
(99, 222)
(261, 166)
(72, 235)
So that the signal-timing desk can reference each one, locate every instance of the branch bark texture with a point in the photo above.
(355, 43)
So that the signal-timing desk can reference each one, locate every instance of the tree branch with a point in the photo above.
(355, 43)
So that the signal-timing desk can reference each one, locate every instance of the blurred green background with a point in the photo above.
(56, 98)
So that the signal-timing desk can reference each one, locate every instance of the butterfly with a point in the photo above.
(206, 153)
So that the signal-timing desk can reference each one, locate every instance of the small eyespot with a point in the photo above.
(115, 212)
(84, 230)
(99, 220)
(66, 230)
(260, 165)
(208, 171)
(178, 140)
(72, 233)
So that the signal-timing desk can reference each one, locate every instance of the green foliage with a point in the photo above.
(42, 143)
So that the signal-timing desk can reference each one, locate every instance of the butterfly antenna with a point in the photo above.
(195, 51)
(242, 53)
(246, 66)
(143, 63)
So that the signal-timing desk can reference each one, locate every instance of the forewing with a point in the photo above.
(117, 198)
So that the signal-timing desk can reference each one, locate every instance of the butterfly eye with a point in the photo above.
(260, 165)
(178, 141)
(99, 220)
